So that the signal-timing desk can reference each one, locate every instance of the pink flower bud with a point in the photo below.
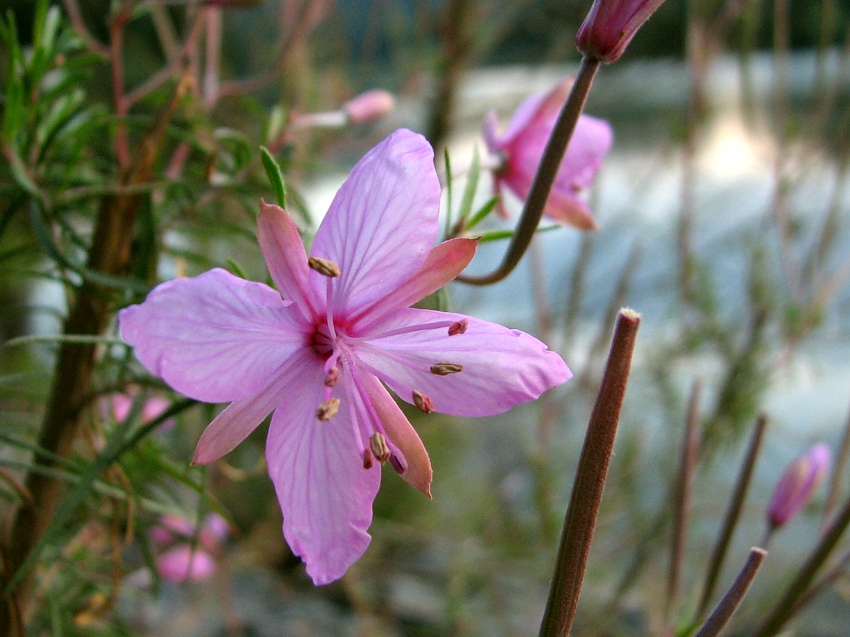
(520, 148)
(797, 484)
(610, 26)
(185, 564)
(369, 106)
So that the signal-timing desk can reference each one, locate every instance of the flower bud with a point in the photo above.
(610, 25)
(797, 484)
(369, 106)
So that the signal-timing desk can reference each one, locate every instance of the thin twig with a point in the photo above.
(838, 472)
(733, 513)
(724, 610)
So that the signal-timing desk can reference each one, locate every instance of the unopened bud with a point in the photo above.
(379, 446)
(327, 409)
(610, 26)
(797, 484)
(369, 106)
(324, 266)
(444, 369)
(458, 327)
(422, 402)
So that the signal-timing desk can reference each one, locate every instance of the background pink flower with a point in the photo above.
(321, 351)
(521, 146)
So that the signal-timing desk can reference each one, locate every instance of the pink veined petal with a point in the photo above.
(402, 434)
(185, 564)
(285, 257)
(501, 367)
(382, 222)
(569, 208)
(324, 492)
(214, 337)
(241, 417)
(445, 261)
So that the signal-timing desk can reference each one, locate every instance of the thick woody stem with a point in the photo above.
(580, 520)
(545, 177)
(109, 254)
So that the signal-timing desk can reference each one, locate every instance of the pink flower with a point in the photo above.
(321, 351)
(610, 26)
(183, 561)
(369, 106)
(521, 146)
(153, 407)
(797, 484)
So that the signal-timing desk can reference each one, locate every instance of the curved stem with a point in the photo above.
(545, 177)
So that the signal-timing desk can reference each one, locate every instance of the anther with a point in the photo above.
(367, 459)
(422, 402)
(324, 266)
(327, 409)
(333, 377)
(458, 327)
(397, 464)
(379, 446)
(444, 369)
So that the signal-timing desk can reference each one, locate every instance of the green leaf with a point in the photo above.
(496, 235)
(471, 186)
(482, 212)
(275, 176)
(448, 162)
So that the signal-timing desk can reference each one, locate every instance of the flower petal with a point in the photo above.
(285, 257)
(241, 417)
(382, 222)
(501, 367)
(324, 492)
(402, 434)
(445, 261)
(214, 337)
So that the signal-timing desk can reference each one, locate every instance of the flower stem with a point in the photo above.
(545, 177)
(788, 605)
(580, 520)
(727, 606)
(733, 513)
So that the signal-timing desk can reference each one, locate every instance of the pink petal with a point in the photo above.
(324, 492)
(214, 337)
(501, 367)
(241, 417)
(185, 564)
(402, 434)
(568, 208)
(382, 222)
(444, 263)
(285, 257)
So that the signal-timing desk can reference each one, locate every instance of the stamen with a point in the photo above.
(398, 463)
(333, 377)
(324, 266)
(458, 327)
(327, 409)
(444, 369)
(422, 402)
(367, 459)
(407, 329)
(378, 444)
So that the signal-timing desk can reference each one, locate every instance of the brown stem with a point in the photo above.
(733, 513)
(723, 612)
(580, 520)
(70, 393)
(788, 605)
(682, 498)
(545, 177)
